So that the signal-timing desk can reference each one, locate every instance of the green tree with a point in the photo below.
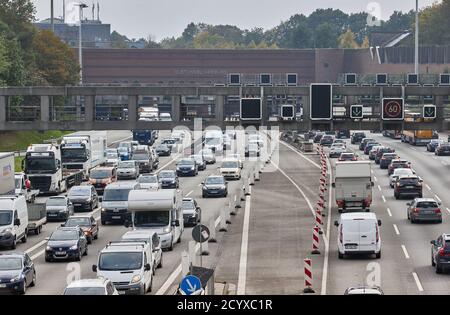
(4, 61)
(324, 36)
(118, 40)
(435, 24)
(347, 40)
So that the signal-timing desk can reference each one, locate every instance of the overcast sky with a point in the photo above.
(166, 18)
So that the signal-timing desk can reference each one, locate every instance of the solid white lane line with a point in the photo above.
(167, 164)
(242, 277)
(396, 229)
(327, 241)
(38, 254)
(437, 198)
(405, 252)
(174, 275)
(384, 198)
(389, 212)
(428, 187)
(416, 279)
(302, 155)
(189, 193)
(31, 249)
(448, 210)
(379, 188)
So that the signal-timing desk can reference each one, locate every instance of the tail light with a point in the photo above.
(437, 211)
(416, 210)
(341, 236)
(340, 203)
(442, 251)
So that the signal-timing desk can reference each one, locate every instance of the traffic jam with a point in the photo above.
(75, 195)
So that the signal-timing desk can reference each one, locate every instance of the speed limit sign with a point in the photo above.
(392, 109)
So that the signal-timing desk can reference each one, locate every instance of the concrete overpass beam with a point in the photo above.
(132, 108)
(219, 110)
(3, 100)
(45, 108)
(89, 108)
(176, 108)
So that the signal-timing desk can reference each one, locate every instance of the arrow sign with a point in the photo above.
(356, 112)
(190, 285)
(429, 111)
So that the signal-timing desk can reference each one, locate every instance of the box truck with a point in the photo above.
(7, 182)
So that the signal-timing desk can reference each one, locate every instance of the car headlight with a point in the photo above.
(16, 279)
(103, 210)
(7, 231)
(63, 211)
(166, 230)
(48, 248)
(136, 278)
(74, 247)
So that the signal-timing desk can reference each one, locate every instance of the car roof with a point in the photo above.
(57, 197)
(80, 215)
(17, 254)
(399, 161)
(123, 185)
(358, 215)
(425, 200)
(98, 282)
(364, 290)
(446, 236)
(124, 247)
(106, 168)
(188, 199)
(408, 176)
(67, 228)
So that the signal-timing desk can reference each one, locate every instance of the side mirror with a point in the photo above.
(148, 267)
(17, 222)
(63, 225)
(379, 222)
(94, 268)
(433, 242)
(372, 184)
(176, 223)
(440, 203)
(408, 204)
(203, 183)
(336, 223)
(333, 185)
(127, 224)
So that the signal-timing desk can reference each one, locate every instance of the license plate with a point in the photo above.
(213, 192)
(60, 253)
(77, 204)
(116, 217)
(52, 214)
(121, 292)
(351, 247)
(409, 187)
(2, 285)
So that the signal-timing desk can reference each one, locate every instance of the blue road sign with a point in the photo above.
(190, 284)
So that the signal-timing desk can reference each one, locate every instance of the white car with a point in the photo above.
(112, 158)
(337, 149)
(236, 156)
(364, 290)
(99, 286)
(149, 181)
(256, 139)
(230, 169)
(398, 172)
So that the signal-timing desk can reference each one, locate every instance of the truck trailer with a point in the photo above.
(7, 183)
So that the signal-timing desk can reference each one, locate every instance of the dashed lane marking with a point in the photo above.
(405, 251)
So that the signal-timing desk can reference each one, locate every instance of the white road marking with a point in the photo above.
(405, 252)
(416, 279)
(448, 210)
(189, 193)
(389, 212)
(444, 163)
(428, 187)
(31, 249)
(379, 188)
(327, 241)
(375, 178)
(437, 198)
(302, 155)
(396, 229)
(384, 198)
(38, 254)
(242, 277)
(371, 171)
(168, 163)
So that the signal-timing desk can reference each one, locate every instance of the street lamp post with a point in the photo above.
(416, 57)
(52, 17)
(80, 43)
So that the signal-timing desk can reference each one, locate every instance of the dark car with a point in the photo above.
(348, 157)
(66, 243)
(433, 144)
(442, 149)
(192, 214)
(201, 163)
(398, 163)
(424, 209)
(87, 223)
(326, 140)
(187, 167)
(17, 273)
(163, 150)
(369, 146)
(342, 134)
(440, 253)
(380, 153)
(357, 137)
(143, 159)
(58, 208)
(410, 186)
(84, 198)
(363, 143)
(100, 177)
(318, 136)
(386, 159)
(214, 186)
(168, 179)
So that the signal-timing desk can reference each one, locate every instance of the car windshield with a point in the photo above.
(125, 145)
(80, 191)
(214, 181)
(162, 147)
(206, 152)
(169, 141)
(389, 156)
(64, 235)
(427, 204)
(126, 165)
(188, 205)
(112, 156)
(253, 147)
(402, 171)
(116, 194)
(72, 222)
(56, 202)
(10, 263)
(166, 175)
(120, 261)
(122, 150)
(99, 174)
(409, 181)
(85, 291)
(148, 179)
(186, 162)
(151, 219)
(212, 141)
(140, 156)
(230, 164)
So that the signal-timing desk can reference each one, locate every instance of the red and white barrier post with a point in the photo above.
(315, 243)
(308, 276)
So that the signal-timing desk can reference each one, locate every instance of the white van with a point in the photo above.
(115, 201)
(13, 221)
(213, 139)
(129, 265)
(158, 211)
(150, 237)
(359, 233)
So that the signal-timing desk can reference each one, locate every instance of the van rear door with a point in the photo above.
(351, 234)
(368, 231)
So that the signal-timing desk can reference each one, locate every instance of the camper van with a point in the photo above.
(159, 211)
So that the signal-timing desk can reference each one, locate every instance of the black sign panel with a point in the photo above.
(356, 112)
(445, 79)
(429, 111)
(287, 111)
(413, 78)
(393, 109)
(381, 78)
(321, 101)
(200, 233)
(350, 78)
(251, 109)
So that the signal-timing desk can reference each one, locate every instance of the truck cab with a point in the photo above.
(158, 211)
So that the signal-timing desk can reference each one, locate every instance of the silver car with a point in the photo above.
(58, 208)
(127, 170)
(208, 156)
(200, 161)
(149, 181)
(424, 209)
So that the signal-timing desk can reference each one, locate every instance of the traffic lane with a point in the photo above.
(395, 270)
(416, 237)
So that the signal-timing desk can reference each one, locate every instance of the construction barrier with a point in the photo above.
(308, 276)
(315, 241)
